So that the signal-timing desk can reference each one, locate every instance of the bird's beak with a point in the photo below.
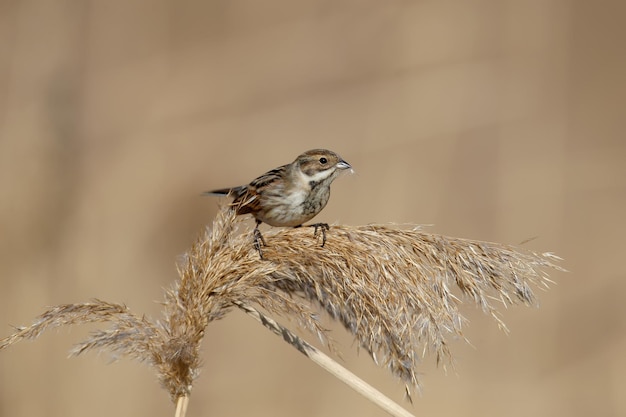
(343, 165)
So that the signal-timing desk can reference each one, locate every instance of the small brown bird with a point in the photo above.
(289, 195)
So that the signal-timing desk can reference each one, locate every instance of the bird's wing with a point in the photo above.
(246, 198)
(268, 178)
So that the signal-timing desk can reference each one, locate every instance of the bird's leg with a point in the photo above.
(323, 227)
(258, 239)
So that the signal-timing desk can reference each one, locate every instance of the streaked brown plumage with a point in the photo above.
(289, 195)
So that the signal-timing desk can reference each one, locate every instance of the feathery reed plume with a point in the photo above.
(391, 288)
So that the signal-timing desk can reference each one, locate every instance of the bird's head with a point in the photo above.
(320, 165)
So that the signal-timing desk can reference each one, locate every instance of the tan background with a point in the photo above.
(492, 119)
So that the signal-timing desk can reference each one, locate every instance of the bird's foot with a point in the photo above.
(258, 242)
(320, 228)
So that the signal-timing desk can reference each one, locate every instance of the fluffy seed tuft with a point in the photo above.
(397, 291)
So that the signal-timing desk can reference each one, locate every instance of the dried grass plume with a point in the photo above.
(397, 291)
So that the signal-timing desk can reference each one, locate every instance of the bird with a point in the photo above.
(290, 195)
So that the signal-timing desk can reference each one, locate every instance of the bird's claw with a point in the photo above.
(320, 227)
(258, 242)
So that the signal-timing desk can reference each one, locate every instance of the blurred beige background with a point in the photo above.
(497, 120)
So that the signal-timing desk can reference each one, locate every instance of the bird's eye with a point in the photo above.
(323, 160)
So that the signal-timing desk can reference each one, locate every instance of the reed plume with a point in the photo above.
(396, 290)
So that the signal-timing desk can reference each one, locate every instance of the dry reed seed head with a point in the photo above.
(221, 270)
(391, 288)
(71, 314)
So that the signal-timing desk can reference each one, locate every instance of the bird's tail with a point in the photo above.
(228, 192)
(222, 191)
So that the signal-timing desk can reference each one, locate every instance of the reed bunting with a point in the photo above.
(289, 195)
